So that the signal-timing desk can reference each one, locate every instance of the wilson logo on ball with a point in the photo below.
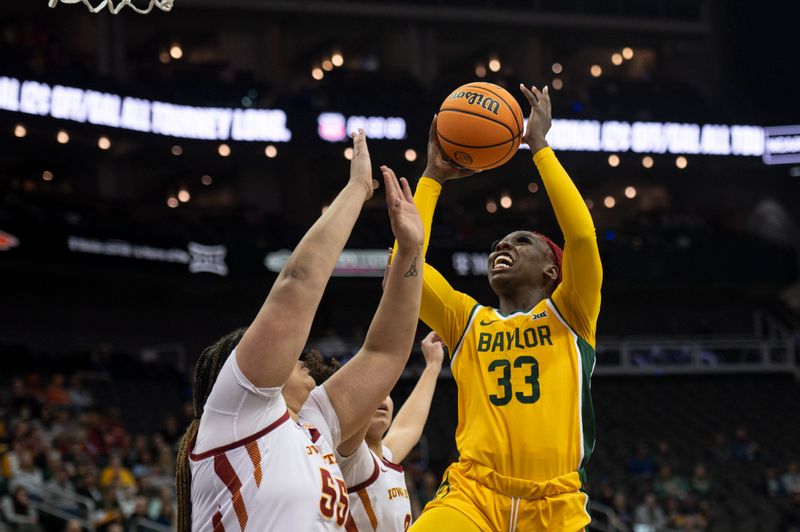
(475, 98)
(479, 126)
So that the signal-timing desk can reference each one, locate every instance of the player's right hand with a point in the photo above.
(433, 349)
(406, 223)
(540, 119)
(439, 166)
(361, 166)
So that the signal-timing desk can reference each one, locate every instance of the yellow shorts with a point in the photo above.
(472, 497)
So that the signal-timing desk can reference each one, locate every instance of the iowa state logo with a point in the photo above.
(8, 241)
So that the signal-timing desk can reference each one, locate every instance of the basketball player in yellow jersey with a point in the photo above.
(525, 418)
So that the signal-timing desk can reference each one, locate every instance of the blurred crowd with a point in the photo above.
(63, 453)
(68, 461)
(663, 493)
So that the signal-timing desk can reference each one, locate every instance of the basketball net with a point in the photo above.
(115, 6)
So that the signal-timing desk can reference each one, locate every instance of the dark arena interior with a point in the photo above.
(158, 168)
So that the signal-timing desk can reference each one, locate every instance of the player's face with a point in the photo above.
(298, 386)
(520, 260)
(381, 420)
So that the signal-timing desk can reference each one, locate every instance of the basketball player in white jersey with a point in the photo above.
(259, 454)
(376, 483)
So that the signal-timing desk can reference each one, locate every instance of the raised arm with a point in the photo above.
(272, 344)
(443, 309)
(407, 426)
(357, 389)
(578, 295)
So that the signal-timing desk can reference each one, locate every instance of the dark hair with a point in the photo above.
(319, 369)
(205, 375)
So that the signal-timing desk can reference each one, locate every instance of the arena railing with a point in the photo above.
(52, 501)
(141, 524)
(689, 355)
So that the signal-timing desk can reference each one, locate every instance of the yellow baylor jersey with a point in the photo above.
(524, 403)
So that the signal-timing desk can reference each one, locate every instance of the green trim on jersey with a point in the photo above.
(464, 332)
(517, 310)
(587, 354)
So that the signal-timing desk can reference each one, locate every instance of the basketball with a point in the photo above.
(480, 126)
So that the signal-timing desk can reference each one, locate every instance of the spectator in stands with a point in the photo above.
(28, 474)
(161, 508)
(61, 426)
(87, 484)
(73, 526)
(641, 464)
(773, 484)
(108, 511)
(56, 394)
(676, 519)
(11, 458)
(664, 456)
(80, 398)
(622, 518)
(649, 517)
(18, 510)
(742, 447)
(115, 472)
(700, 481)
(791, 480)
(670, 485)
(61, 491)
(139, 511)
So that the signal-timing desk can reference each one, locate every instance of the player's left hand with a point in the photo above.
(406, 223)
(360, 165)
(540, 119)
(439, 167)
(433, 350)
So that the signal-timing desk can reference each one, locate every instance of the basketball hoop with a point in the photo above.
(115, 5)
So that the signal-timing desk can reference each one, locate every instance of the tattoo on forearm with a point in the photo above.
(412, 271)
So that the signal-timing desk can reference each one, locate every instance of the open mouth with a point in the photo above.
(502, 262)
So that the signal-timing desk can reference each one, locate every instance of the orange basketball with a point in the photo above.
(480, 126)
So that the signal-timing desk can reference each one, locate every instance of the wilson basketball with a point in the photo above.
(480, 126)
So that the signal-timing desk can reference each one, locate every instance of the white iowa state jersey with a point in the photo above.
(379, 502)
(283, 477)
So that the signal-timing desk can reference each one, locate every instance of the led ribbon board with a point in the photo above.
(135, 114)
(351, 263)
(782, 145)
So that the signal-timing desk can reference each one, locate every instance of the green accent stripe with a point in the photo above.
(561, 315)
(586, 508)
(464, 333)
(587, 354)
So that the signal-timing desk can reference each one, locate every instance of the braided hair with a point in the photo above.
(205, 375)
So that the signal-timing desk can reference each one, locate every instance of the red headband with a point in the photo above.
(557, 253)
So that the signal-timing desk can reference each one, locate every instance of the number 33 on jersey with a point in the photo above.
(524, 403)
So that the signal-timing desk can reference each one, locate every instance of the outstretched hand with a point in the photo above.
(540, 119)
(361, 166)
(439, 166)
(433, 349)
(403, 214)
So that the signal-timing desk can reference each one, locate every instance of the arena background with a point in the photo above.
(136, 227)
